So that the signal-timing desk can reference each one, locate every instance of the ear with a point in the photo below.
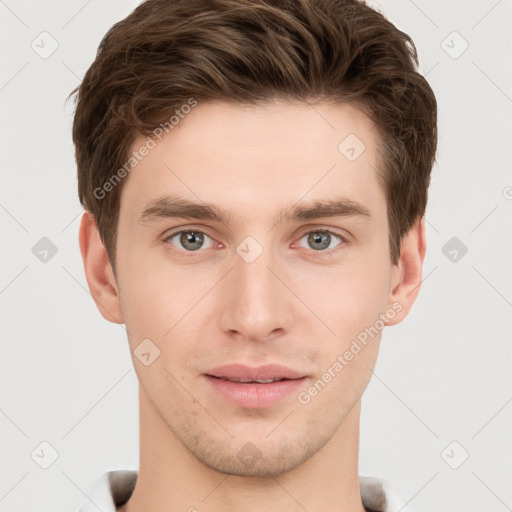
(408, 272)
(98, 270)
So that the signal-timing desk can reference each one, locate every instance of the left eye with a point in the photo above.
(321, 240)
(191, 240)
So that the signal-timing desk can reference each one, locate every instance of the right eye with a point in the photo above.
(190, 240)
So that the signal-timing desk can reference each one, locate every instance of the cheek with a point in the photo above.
(167, 306)
(341, 382)
(352, 310)
(347, 298)
(350, 302)
(152, 293)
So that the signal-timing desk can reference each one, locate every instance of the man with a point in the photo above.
(254, 175)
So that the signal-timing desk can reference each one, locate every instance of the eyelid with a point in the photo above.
(344, 235)
(175, 231)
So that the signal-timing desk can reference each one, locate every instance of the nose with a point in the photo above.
(257, 305)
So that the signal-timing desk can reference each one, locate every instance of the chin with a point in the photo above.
(260, 458)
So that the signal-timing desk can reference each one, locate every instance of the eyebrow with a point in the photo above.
(177, 207)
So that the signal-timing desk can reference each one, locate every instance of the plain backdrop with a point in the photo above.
(437, 413)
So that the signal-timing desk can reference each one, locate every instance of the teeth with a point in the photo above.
(260, 381)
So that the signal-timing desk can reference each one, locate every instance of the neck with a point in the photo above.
(172, 479)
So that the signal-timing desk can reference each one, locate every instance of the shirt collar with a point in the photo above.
(114, 488)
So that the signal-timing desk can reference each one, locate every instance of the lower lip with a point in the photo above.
(254, 395)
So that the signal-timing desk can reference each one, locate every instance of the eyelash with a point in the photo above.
(329, 252)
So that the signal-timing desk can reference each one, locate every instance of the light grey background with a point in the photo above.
(444, 375)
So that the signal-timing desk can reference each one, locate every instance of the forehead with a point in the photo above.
(254, 159)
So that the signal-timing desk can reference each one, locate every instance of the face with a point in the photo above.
(277, 273)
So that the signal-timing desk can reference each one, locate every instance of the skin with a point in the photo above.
(294, 305)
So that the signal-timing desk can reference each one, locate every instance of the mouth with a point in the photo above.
(243, 373)
(254, 388)
(249, 381)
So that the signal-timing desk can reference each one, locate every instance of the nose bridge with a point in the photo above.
(257, 303)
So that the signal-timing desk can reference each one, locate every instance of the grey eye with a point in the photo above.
(191, 240)
(320, 240)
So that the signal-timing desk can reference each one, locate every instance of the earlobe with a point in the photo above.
(98, 270)
(408, 272)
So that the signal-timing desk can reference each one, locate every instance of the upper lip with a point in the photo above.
(268, 371)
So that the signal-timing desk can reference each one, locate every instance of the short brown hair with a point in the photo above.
(247, 51)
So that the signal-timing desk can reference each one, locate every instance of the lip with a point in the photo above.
(254, 395)
(268, 371)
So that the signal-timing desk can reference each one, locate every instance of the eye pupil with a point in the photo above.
(323, 239)
(195, 239)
